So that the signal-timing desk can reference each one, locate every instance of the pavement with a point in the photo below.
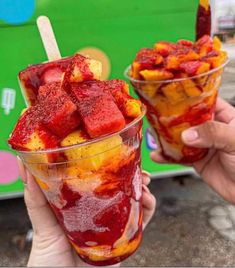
(192, 226)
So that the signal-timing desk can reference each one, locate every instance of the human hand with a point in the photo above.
(50, 244)
(218, 168)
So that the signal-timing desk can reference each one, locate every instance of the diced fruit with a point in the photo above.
(194, 67)
(135, 69)
(92, 156)
(148, 58)
(204, 45)
(186, 43)
(76, 137)
(172, 62)
(190, 97)
(188, 56)
(217, 43)
(132, 108)
(216, 61)
(191, 88)
(119, 89)
(73, 138)
(98, 111)
(82, 69)
(174, 92)
(114, 86)
(59, 112)
(37, 75)
(164, 48)
(156, 75)
(203, 68)
(182, 54)
(150, 90)
(30, 134)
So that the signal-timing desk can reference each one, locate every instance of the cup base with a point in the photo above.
(196, 155)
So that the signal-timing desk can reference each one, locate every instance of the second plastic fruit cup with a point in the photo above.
(96, 193)
(176, 105)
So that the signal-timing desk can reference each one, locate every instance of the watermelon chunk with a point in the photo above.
(98, 111)
(37, 75)
(59, 112)
(30, 134)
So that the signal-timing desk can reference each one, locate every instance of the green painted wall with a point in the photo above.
(119, 28)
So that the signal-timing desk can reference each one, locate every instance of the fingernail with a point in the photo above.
(190, 135)
(145, 188)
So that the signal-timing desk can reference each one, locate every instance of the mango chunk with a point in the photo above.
(156, 75)
(174, 92)
(190, 88)
(217, 44)
(133, 108)
(216, 61)
(91, 156)
(163, 48)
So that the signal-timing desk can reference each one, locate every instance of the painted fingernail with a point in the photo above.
(190, 135)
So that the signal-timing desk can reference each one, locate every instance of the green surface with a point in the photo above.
(119, 28)
(14, 187)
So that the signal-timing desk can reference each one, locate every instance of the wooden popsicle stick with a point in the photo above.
(48, 38)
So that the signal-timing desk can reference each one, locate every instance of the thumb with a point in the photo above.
(212, 134)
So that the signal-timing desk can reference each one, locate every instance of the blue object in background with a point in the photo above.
(16, 11)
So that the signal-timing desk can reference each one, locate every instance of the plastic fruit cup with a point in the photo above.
(176, 105)
(96, 194)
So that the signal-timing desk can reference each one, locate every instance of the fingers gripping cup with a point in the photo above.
(176, 105)
(80, 138)
(96, 193)
(179, 84)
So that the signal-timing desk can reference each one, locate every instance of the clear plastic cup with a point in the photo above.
(96, 193)
(176, 105)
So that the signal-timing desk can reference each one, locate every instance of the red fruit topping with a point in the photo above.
(30, 133)
(37, 75)
(97, 109)
(59, 112)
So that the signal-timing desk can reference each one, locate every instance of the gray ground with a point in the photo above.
(178, 235)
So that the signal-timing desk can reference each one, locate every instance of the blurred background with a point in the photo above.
(192, 225)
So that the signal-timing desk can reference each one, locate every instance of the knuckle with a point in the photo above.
(211, 129)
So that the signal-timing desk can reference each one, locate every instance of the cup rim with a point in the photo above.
(126, 74)
(89, 142)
